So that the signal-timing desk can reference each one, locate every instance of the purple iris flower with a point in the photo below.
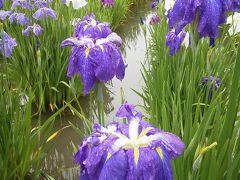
(135, 150)
(36, 29)
(153, 19)
(4, 14)
(214, 86)
(107, 3)
(154, 4)
(92, 28)
(210, 14)
(21, 18)
(7, 45)
(174, 41)
(25, 4)
(128, 111)
(44, 12)
(98, 60)
(1, 3)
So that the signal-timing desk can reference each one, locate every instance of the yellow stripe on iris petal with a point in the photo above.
(136, 155)
(145, 131)
(160, 153)
(108, 156)
(87, 52)
(85, 27)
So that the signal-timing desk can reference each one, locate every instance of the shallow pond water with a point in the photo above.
(59, 163)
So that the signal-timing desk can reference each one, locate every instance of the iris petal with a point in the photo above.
(115, 167)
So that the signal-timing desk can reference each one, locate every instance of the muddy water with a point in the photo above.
(59, 162)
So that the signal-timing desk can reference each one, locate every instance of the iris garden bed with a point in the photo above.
(191, 125)
(44, 74)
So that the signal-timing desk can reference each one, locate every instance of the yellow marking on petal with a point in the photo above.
(87, 52)
(85, 27)
(159, 151)
(136, 155)
(145, 131)
(108, 155)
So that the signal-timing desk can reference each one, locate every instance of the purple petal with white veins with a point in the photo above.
(172, 143)
(114, 38)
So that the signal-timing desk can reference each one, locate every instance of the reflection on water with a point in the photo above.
(59, 163)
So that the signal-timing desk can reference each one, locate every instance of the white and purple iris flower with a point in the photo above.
(153, 19)
(107, 3)
(91, 28)
(95, 54)
(131, 151)
(7, 44)
(209, 14)
(77, 4)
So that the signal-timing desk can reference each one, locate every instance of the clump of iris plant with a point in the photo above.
(107, 3)
(39, 9)
(208, 15)
(214, 86)
(135, 150)
(95, 54)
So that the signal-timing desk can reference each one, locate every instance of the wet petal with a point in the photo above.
(172, 143)
(105, 65)
(115, 167)
(210, 13)
(87, 72)
(74, 41)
